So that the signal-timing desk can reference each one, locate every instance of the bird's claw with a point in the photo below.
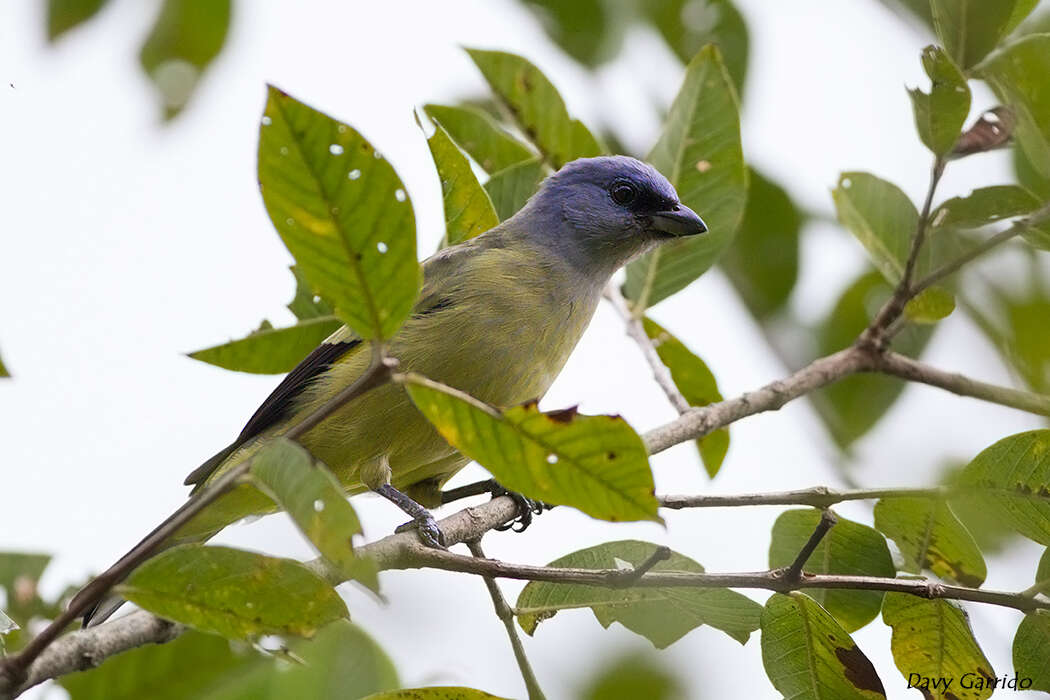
(429, 530)
(527, 508)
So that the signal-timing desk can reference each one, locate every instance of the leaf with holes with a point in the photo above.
(932, 639)
(1017, 74)
(186, 37)
(536, 107)
(848, 548)
(661, 615)
(313, 497)
(698, 386)
(1012, 479)
(306, 303)
(929, 536)
(597, 464)
(468, 209)
(480, 136)
(233, 593)
(808, 656)
(509, 189)
(270, 350)
(699, 151)
(969, 29)
(343, 213)
(940, 114)
(984, 206)
(1031, 649)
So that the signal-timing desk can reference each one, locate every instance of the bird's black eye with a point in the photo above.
(623, 192)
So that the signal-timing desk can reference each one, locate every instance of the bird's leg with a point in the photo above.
(527, 507)
(422, 519)
(376, 476)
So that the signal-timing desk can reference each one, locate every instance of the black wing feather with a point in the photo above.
(277, 405)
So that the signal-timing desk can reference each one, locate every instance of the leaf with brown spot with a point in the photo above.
(560, 459)
(933, 638)
(808, 656)
(929, 536)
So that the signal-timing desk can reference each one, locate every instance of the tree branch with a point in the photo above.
(637, 332)
(906, 368)
(700, 421)
(817, 496)
(824, 525)
(506, 615)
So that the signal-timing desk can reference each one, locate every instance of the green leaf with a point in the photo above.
(63, 15)
(306, 303)
(940, 114)
(688, 26)
(848, 548)
(340, 662)
(591, 31)
(1042, 572)
(509, 189)
(1027, 338)
(699, 151)
(1029, 178)
(343, 213)
(186, 37)
(480, 136)
(270, 350)
(852, 406)
(435, 693)
(698, 386)
(1022, 8)
(597, 464)
(661, 615)
(315, 500)
(807, 656)
(1012, 479)
(3, 370)
(969, 29)
(634, 676)
(1032, 649)
(233, 593)
(882, 218)
(929, 536)
(930, 306)
(536, 107)
(984, 206)
(762, 263)
(933, 639)
(468, 209)
(1017, 74)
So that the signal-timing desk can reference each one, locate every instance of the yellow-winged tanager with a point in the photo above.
(497, 318)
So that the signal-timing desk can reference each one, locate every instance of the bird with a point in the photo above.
(497, 317)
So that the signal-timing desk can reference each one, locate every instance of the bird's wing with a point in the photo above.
(439, 292)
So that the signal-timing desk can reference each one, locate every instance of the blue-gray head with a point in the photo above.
(601, 212)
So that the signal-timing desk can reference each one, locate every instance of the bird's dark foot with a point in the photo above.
(429, 531)
(422, 520)
(527, 508)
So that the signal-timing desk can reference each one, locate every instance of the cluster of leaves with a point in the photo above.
(186, 37)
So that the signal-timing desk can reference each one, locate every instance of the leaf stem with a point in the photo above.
(828, 519)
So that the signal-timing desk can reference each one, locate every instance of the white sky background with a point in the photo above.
(125, 244)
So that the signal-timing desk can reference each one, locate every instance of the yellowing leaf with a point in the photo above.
(597, 464)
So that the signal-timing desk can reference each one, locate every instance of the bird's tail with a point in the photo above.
(238, 503)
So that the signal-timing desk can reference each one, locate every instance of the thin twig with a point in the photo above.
(636, 331)
(817, 496)
(901, 366)
(14, 667)
(631, 576)
(1036, 218)
(824, 525)
(506, 615)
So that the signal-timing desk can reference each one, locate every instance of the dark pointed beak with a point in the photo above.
(678, 221)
